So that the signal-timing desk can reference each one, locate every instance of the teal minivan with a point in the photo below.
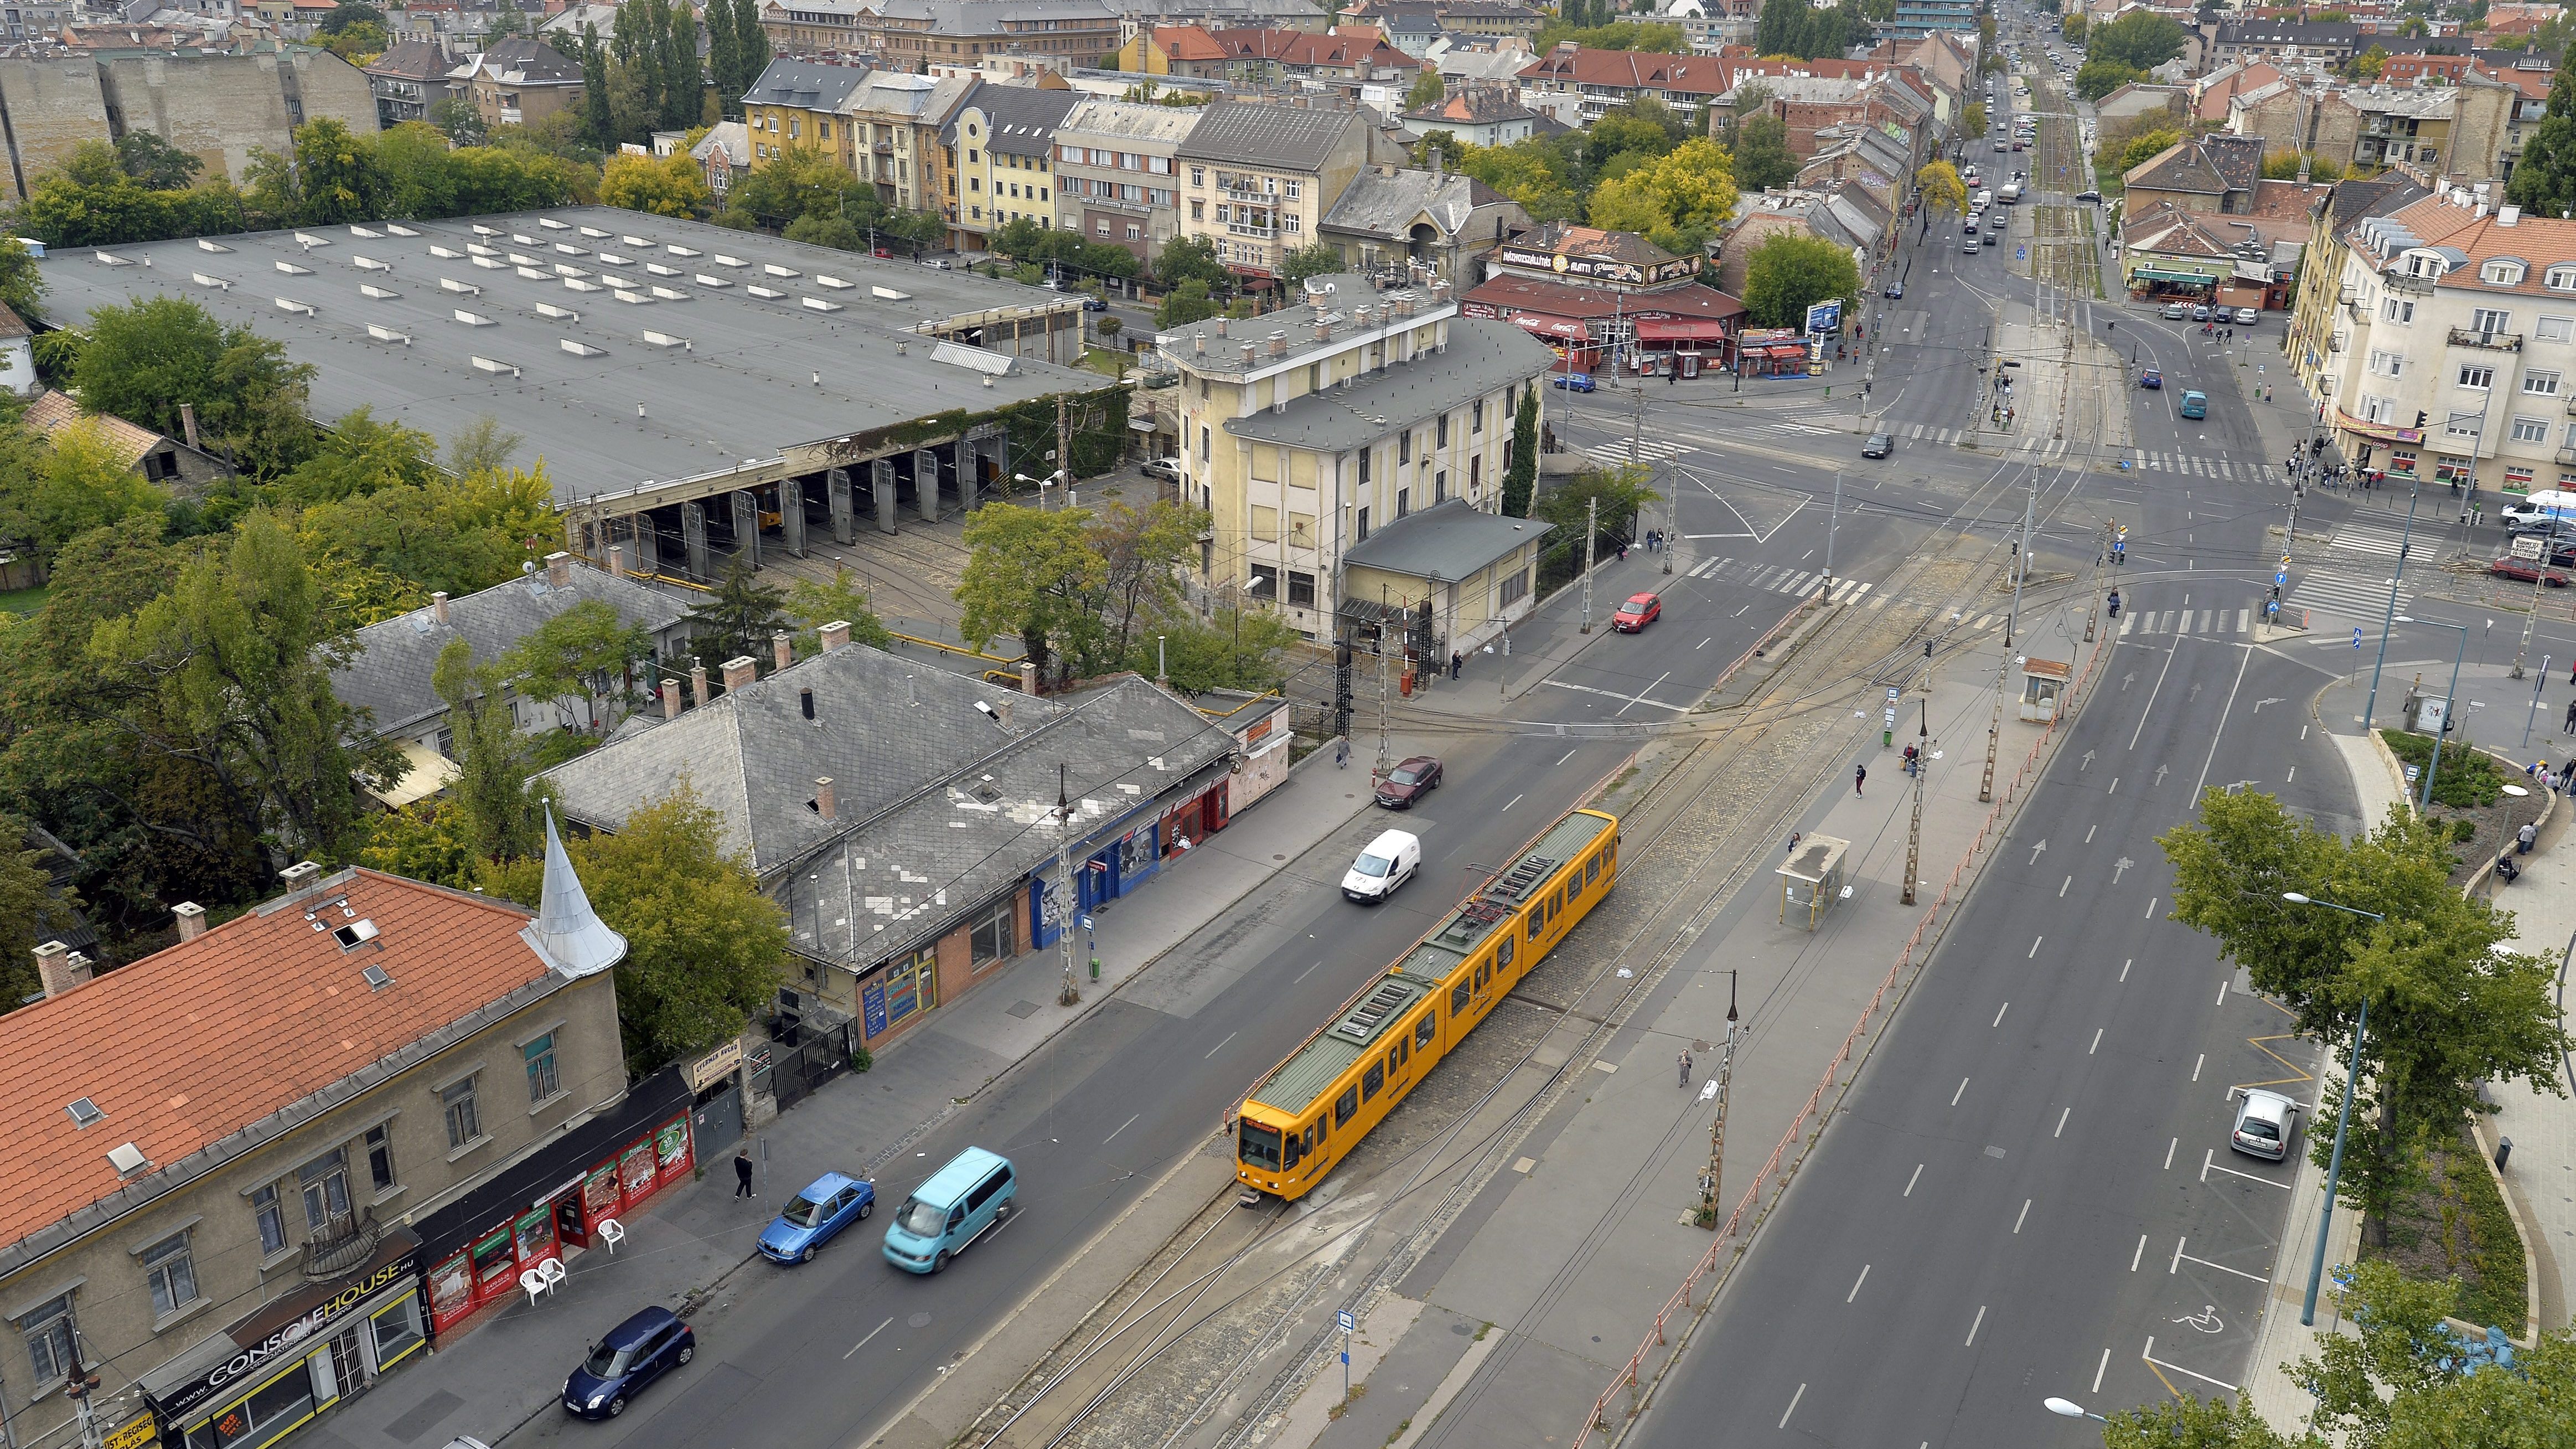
(2195, 405)
(950, 1211)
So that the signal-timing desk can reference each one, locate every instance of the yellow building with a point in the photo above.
(1350, 452)
(1000, 169)
(801, 103)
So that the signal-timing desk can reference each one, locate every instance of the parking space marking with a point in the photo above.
(2210, 1164)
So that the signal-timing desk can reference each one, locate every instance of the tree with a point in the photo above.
(1972, 120)
(1191, 258)
(2192, 1424)
(351, 12)
(750, 46)
(724, 66)
(2098, 78)
(1030, 574)
(738, 618)
(26, 905)
(482, 447)
(328, 177)
(663, 185)
(598, 123)
(75, 483)
(145, 358)
(1788, 273)
(1238, 648)
(2371, 63)
(22, 286)
(2148, 147)
(812, 603)
(1763, 159)
(1427, 91)
(1661, 36)
(1941, 189)
(2447, 1011)
(2139, 39)
(1144, 551)
(495, 819)
(1318, 260)
(155, 164)
(2544, 182)
(459, 120)
(587, 652)
(426, 840)
(360, 44)
(1520, 478)
(1678, 201)
(1185, 304)
(2073, 28)
(1620, 493)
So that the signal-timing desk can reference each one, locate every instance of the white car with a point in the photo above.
(1168, 469)
(1388, 862)
(2265, 1123)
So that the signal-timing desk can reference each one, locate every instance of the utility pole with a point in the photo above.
(1385, 725)
(1591, 529)
(2370, 707)
(1922, 767)
(2021, 559)
(1064, 447)
(2539, 571)
(1833, 521)
(1067, 888)
(1709, 1182)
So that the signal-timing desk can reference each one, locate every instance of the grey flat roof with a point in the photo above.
(1446, 543)
(1482, 355)
(733, 379)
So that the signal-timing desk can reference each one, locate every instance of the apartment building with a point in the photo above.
(802, 103)
(1117, 174)
(1589, 83)
(897, 118)
(1350, 451)
(2456, 325)
(1257, 179)
(2461, 131)
(521, 81)
(2317, 332)
(999, 146)
(911, 35)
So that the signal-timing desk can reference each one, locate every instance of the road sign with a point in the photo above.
(1892, 695)
(2281, 578)
(1086, 921)
(2020, 253)
(2527, 546)
(1346, 1321)
(2412, 771)
(2356, 636)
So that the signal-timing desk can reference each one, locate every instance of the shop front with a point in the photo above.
(2155, 283)
(552, 1204)
(273, 1371)
(1683, 344)
(2379, 447)
(1774, 352)
(1567, 337)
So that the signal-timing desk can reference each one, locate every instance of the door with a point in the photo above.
(718, 1118)
(348, 1358)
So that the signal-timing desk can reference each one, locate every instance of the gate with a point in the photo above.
(817, 1057)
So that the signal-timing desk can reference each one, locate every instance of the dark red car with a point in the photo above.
(1636, 614)
(1409, 782)
(2523, 570)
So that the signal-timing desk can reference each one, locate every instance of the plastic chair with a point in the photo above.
(535, 1283)
(612, 1232)
(552, 1271)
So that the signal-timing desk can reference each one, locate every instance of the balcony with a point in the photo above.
(2566, 456)
(2404, 285)
(2490, 341)
(343, 1244)
(1262, 233)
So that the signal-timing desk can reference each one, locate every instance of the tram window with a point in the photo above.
(1458, 999)
(1484, 971)
(1592, 870)
(1346, 1106)
(1503, 954)
(1374, 1079)
(1289, 1155)
(1423, 1029)
(1403, 1053)
(1313, 1134)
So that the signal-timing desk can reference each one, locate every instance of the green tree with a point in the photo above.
(1520, 479)
(1941, 189)
(1661, 36)
(1320, 259)
(2370, 64)
(2544, 181)
(1763, 159)
(2098, 78)
(665, 185)
(598, 125)
(495, 817)
(2139, 39)
(2074, 28)
(812, 603)
(1972, 120)
(738, 618)
(2148, 147)
(360, 44)
(724, 64)
(1033, 575)
(1145, 551)
(459, 120)
(357, 456)
(750, 45)
(327, 177)
(1678, 201)
(144, 358)
(1237, 648)
(155, 164)
(2192, 1424)
(1427, 91)
(481, 447)
(1788, 272)
(72, 484)
(1191, 258)
(1185, 304)
(22, 286)
(586, 653)
(351, 12)
(1620, 493)
(2447, 1011)
(27, 906)
(425, 840)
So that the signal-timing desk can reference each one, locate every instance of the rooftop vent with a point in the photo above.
(128, 1160)
(1365, 1018)
(355, 934)
(381, 294)
(377, 978)
(706, 281)
(292, 270)
(85, 1113)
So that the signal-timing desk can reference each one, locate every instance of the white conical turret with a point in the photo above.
(567, 932)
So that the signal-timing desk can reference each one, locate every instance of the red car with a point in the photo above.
(2523, 570)
(1409, 782)
(1636, 614)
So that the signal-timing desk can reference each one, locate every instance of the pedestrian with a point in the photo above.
(1909, 762)
(1860, 775)
(1457, 661)
(1623, 551)
(742, 1172)
(2522, 840)
(1794, 838)
(1686, 1070)
(1342, 745)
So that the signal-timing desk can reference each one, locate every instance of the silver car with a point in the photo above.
(2265, 1123)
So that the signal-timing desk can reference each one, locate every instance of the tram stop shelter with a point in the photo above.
(2043, 683)
(1812, 877)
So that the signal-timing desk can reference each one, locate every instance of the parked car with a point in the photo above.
(828, 1204)
(1388, 862)
(1409, 782)
(1095, 304)
(939, 264)
(633, 1354)
(1634, 615)
(2151, 379)
(2176, 311)
(2094, 197)
(1167, 469)
(2247, 316)
(2265, 1122)
(2200, 313)
(1573, 381)
(2524, 570)
(950, 1211)
(1894, 291)
(1878, 446)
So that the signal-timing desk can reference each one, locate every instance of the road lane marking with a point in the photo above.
(2034, 948)
(2097, 1042)
(862, 1343)
(2197, 1063)
(1999, 1016)
(1123, 1126)
(2209, 1165)
(2151, 907)
(2152, 693)
(1704, 642)
(1856, 1282)
(1561, 759)
(2169, 1152)
(2062, 1115)
(2088, 833)
(1973, 1327)
(2217, 734)
(2222, 992)
(2140, 1253)
(2061, 890)
(1515, 801)
(1793, 1405)
(1220, 1046)
(2103, 1369)
(2024, 1217)
(1302, 975)
(2150, 1357)
(2176, 1265)
(1613, 694)
(2125, 965)
(1917, 1177)
(1963, 1091)
(1645, 698)
(2223, 1268)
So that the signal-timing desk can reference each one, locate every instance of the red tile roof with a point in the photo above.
(1562, 299)
(1351, 45)
(1187, 42)
(2539, 242)
(1633, 70)
(190, 1045)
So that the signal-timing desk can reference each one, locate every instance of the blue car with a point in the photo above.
(1574, 382)
(626, 1358)
(832, 1202)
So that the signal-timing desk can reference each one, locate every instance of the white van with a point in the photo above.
(1984, 200)
(2550, 511)
(1390, 860)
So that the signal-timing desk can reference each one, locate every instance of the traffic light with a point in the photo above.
(2419, 418)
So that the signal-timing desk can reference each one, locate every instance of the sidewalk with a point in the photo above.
(682, 1246)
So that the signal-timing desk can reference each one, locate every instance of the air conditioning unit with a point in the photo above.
(2335, 343)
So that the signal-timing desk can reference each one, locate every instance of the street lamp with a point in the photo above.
(2343, 1120)
(2071, 1409)
(2448, 704)
(1717, 1127)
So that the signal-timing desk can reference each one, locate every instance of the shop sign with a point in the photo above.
(872, 1007)
(289, 1334)
(134, 1433)
(1258, 730)
(715, 1065)
(1476, 309)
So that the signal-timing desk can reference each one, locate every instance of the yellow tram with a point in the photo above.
(1313, 1109)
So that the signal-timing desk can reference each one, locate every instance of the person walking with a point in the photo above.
(1342, 744)
(2522, 841)
(742, 1172)
(1457, 662)
(1860, 775)
(1686, 1070)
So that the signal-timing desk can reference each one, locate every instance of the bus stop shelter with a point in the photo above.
(1812, 877)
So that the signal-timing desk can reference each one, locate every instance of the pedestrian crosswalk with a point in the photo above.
(2188, 621)
(1647, 450)
(2376, 537)
(2346, 595)
(2183, 463)
(1780, 579)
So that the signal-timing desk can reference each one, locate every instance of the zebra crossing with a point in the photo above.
(2374, 536)
(2188, 621)
(2195, 467)
(1780, 579)
(2348, 596)
(1648, 450)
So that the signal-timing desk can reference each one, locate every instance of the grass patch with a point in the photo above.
(2456, 1229)
(2467, 780)
(1107, 361)
(24, 601)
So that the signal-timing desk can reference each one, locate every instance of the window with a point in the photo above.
(2387, 364)
(1365, 455)
(50, 1335)
(1346, 1106)
(1444, 430)
(1440, 486)
(543, 1081)
(2500, 273)
(325, 1184)
(1458, 999)
(1363, 538)
(2396, 309)
(1476, 419)
(2540, 384)
(380, 1156)
(2477, 375)
(2556, 329)
(993, 938)
(1198, 209)
(2489, 321)
(2517, 479)
(271, 1218)
(172, 1273)
(1404, 446)
(2560, 279)
(1424, 1028)
(1403, 502)
(1514, 587)
(1198, 176)
(1292, 190)
(464, 1124)
(1301, 589)
(2530, 430)
(2463, 425)
(1475, 476)
(1372, 1080)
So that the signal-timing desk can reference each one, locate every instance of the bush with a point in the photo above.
(2467, 779)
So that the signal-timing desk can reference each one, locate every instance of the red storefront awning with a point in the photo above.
(1679, 329)
(1551, 326)
(1792, 349)
(2378, 432)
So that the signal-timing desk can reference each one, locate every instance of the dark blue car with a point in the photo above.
(626, 1358)
(831, 1203)
(1573, 381)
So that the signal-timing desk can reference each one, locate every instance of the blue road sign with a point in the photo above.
(1346, 1321)
(2020, 253)
(2356, 636)
(2279, 578)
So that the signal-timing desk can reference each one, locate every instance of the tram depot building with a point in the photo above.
(246, 1172)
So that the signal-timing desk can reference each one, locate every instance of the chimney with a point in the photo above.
(835, 634)
(740, 670)
(438, 605)
(1198, 344)
(782, 648)
(617, 560)
(1028, 676)
(1248, 350)
(824, 805)
(1220, 324)
(1279, 344)
(191, 918)
(299, 877)
(697, 686)
(670, 699)
(1323, 330)
(559, 569)
(60, 968)
(1435, 163)
(188, 422)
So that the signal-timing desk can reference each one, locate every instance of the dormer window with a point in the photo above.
(2561, 279)
(2501, 274)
